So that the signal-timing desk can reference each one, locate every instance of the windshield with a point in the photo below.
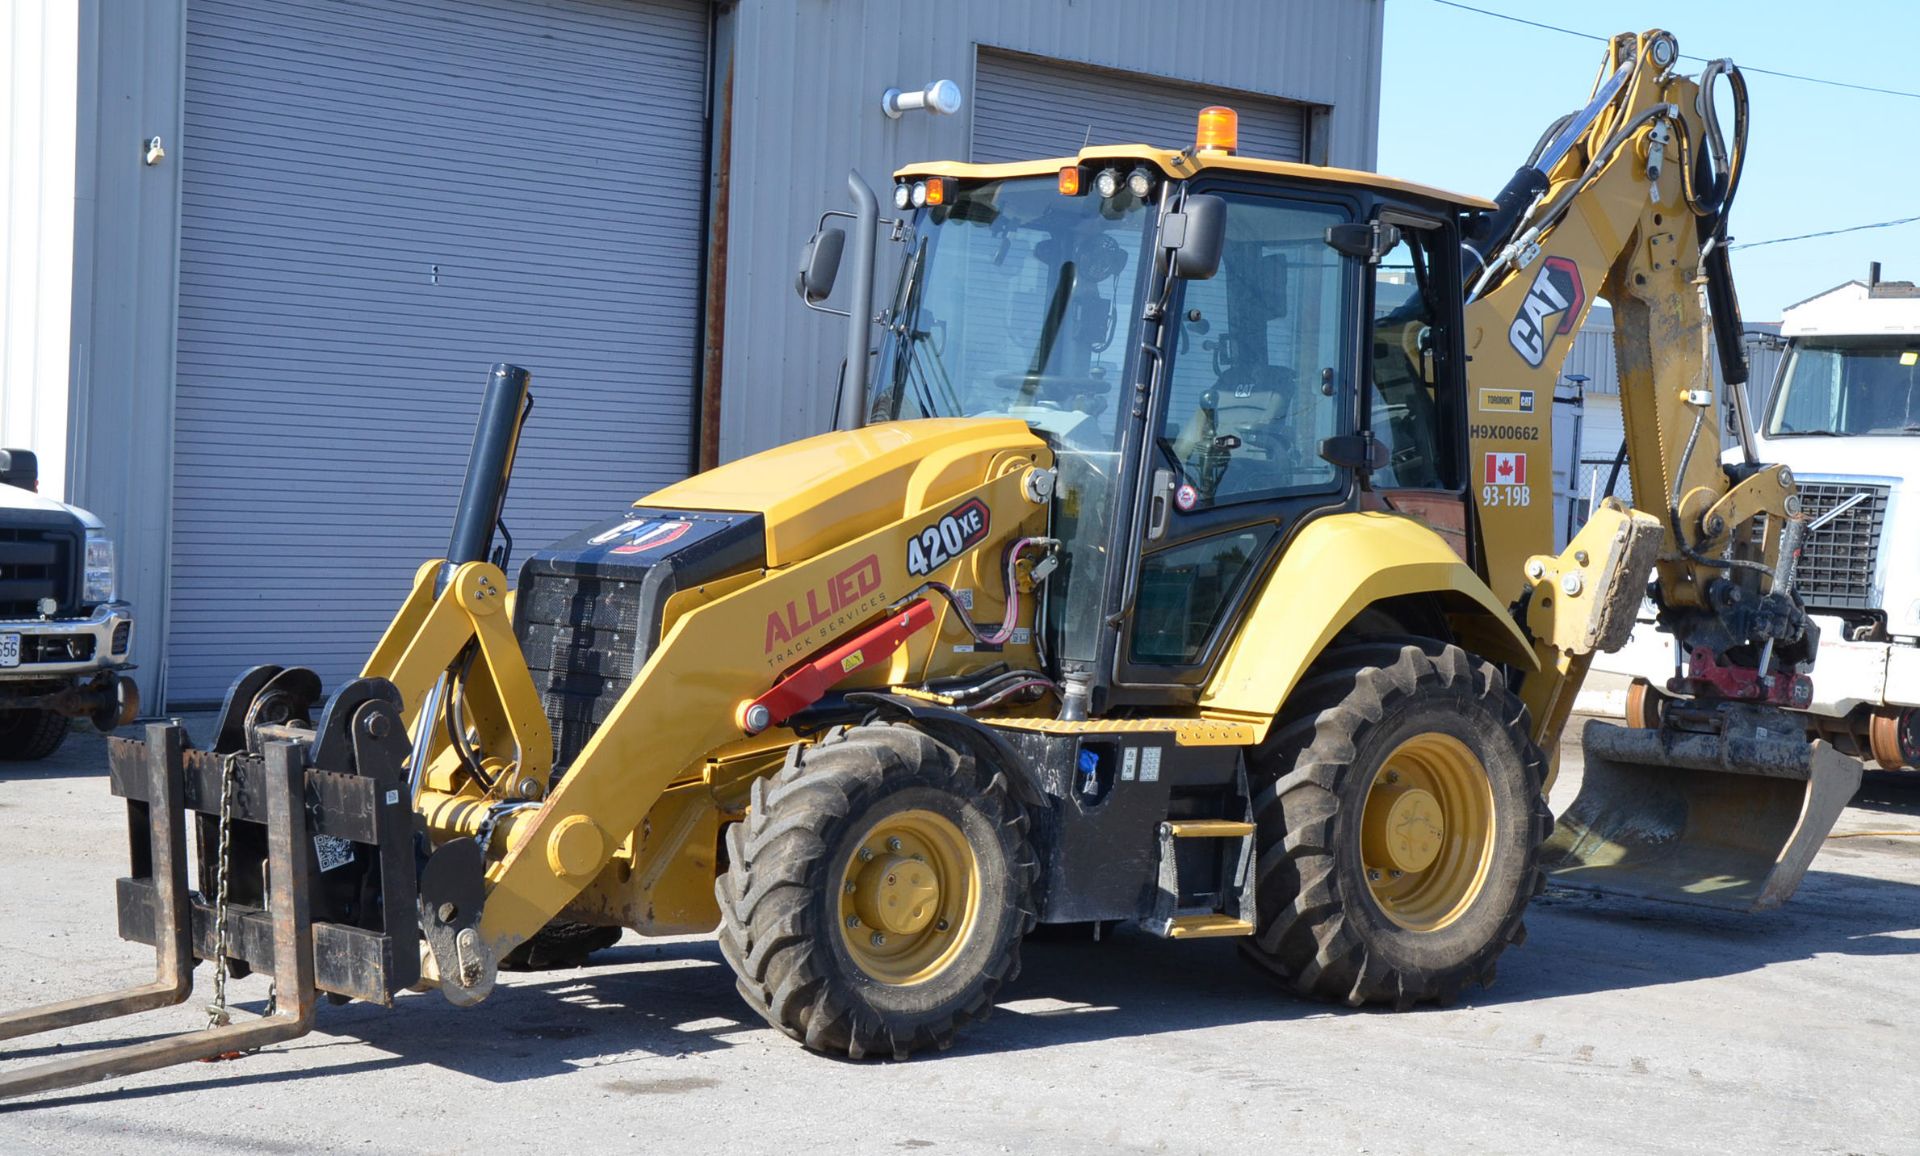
(1017, 301)
(1848, 387)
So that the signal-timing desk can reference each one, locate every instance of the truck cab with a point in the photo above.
(65, 638)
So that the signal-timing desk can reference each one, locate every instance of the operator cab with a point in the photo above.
(1218, 349)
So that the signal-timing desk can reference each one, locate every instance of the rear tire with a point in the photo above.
(1381, 740)
(954, 910)
(26, 735)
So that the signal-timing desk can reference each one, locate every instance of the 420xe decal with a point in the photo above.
(959, 529)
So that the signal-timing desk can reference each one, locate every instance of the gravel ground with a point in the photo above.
(1621, 1026)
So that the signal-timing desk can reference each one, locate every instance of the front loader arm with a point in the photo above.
(687, 702)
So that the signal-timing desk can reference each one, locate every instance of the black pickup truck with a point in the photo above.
(65, 641)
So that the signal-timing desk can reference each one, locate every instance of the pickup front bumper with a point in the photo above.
(71, 665)
(63, 647)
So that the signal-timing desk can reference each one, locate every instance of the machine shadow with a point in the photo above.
(644, 1001)
(1889, 793)
(1649, 943)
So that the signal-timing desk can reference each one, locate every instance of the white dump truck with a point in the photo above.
(1843, 413)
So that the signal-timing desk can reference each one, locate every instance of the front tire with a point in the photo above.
(1399, 823)
(877, 893)
(27, 735)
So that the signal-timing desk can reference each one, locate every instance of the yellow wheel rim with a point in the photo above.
(1426, 832)
(909, 894)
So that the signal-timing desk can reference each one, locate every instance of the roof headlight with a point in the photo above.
(902, 196)
(919, 194)
(1140, 182)
(1107, 183)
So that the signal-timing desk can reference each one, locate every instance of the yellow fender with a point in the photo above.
(1335, 568)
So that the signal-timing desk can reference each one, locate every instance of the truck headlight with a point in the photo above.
(98, 584)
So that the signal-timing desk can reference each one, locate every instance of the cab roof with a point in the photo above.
(1182, 165)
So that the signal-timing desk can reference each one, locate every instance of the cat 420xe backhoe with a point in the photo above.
(1181, 559)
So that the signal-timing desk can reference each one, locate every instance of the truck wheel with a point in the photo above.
(31, 734)
(877, 892)
(1399, 824)
(1645, 705)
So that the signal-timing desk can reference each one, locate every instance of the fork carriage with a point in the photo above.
(322, 868)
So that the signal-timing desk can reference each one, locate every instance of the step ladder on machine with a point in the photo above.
(1234, 913)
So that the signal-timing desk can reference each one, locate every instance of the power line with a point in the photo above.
(1826, 233)
(1686, 56)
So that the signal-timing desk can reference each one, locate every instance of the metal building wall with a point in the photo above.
(806, 108)
(38, 87)
(126, 250)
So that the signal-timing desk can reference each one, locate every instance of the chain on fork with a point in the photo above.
(217, 1014)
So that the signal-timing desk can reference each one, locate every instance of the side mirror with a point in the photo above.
(1354, 452)
(820, 265)
(20, 468)
(1196, 235)
(1363, 240)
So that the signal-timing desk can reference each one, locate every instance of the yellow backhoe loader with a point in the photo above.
(1183, 557)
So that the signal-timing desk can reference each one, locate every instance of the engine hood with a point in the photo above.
(13, 498)
(1883, 459)
(818, 493)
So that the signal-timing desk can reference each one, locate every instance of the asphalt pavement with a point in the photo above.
(1620, 1026)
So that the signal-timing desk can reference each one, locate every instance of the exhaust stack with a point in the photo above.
(496, 437)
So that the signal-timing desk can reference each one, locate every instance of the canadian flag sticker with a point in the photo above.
(1506, 469)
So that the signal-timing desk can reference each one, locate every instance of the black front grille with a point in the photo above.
(35, 564)
(1837, 559)
(590, 609)
(584, 640)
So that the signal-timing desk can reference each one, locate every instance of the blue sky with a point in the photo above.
(1464, 96)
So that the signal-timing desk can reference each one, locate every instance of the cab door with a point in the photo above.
(1258, 373)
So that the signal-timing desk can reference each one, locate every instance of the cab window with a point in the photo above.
(1253, 370)
(1406, 405)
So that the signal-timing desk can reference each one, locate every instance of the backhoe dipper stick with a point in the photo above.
(292, 948)
(173, 963)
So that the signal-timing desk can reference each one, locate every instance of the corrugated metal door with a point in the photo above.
(1024, 107)
(380, 199)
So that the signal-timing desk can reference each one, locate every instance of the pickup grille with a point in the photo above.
(35, 564)
(1837, 560)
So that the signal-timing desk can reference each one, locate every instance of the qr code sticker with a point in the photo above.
(332, 851)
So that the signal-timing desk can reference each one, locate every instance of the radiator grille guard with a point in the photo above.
(1838, 560)
(589, 608)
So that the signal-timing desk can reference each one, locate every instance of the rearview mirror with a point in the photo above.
(820, 265)
(20, 468)
(1196, 235)
(1354, 452)
(1363, 240)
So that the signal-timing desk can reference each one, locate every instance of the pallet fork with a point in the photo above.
(322, 867)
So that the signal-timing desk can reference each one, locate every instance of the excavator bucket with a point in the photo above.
(1728, 812)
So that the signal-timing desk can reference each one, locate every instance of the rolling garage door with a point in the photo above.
(1026, 107)
(380, 199)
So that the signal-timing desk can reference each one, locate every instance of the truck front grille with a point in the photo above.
(1837, 560)
(35, 564)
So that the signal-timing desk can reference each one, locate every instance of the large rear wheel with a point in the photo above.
(1400, 817)
(877, 892)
